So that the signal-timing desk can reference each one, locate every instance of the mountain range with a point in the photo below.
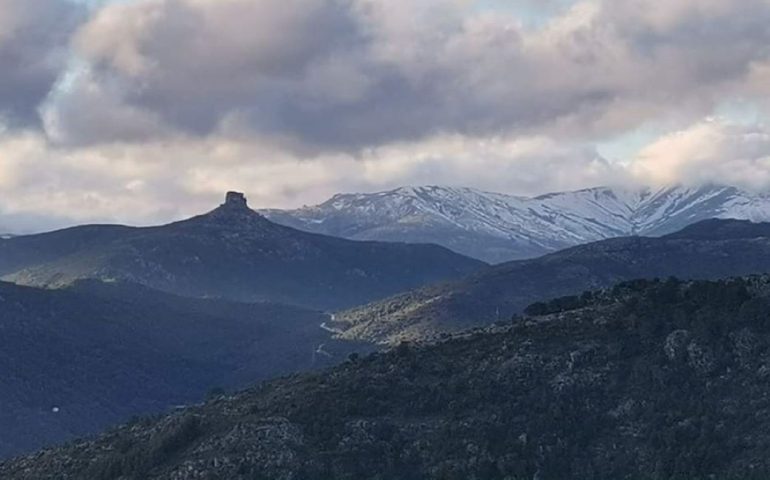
(662, 380)
(497, 228)
(707, 250)
(231, 252)
(104, 322)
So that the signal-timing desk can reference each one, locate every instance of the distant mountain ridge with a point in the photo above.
(710, 249)
(231, 252)
(496, 227)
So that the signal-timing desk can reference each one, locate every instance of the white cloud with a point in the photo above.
(711, 151)
(160, 181)
(46, 185)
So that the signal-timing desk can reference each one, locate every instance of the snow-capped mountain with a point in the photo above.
(497, 227)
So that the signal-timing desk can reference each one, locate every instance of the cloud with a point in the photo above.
(53, 185)
(198, 63)
(94, 109)
(337, 75)
(711, 151)
(150, 109)
(33, 39)
(46, 185)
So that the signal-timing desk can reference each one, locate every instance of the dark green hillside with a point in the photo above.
(73, 361)
(657, 380)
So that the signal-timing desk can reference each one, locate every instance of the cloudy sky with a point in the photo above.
(141, 111)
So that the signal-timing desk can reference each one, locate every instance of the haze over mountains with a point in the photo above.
(497, 228)
(231, 252)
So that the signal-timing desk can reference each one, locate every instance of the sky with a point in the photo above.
(145, 111)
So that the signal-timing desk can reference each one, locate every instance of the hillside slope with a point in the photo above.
(499, 228)
(79, 359)
(231, 252)
(707, 250)
(654, 380)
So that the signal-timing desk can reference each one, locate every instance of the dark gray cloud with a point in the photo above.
(341, 74)
(34, 35)
(192, 65)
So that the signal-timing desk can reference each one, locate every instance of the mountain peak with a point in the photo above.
(234, 213)
(235, 200)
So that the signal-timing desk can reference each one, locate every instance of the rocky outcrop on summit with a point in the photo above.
(236, 199)
(232, 252)
(661, 380)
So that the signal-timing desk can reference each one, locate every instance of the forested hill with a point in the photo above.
(657, 380)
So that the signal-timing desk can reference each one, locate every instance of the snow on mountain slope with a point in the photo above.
(497, 227)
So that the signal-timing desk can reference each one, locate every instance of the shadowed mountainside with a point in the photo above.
(78, 359)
